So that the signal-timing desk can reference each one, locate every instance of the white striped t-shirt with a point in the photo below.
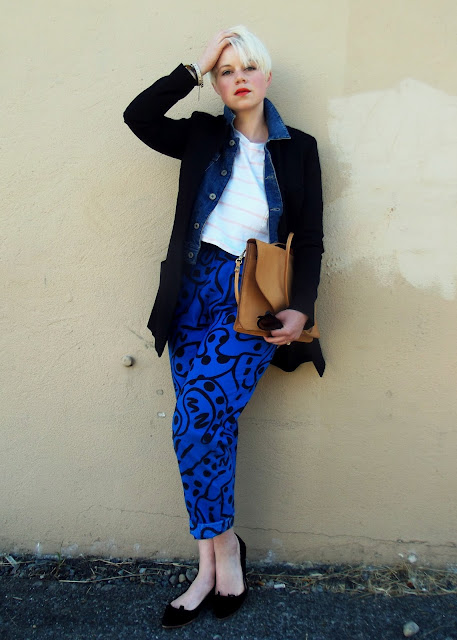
(242, 211)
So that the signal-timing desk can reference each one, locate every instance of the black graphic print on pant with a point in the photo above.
(215, 371)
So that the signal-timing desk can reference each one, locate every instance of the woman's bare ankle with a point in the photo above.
(226, 544)
(229, 575)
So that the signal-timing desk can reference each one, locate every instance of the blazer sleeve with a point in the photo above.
(146, 117)
(308, 239)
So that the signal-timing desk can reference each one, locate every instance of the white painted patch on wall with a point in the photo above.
(399, 209)
(277, 542)
(70, 551)
(104, 547)
(270, 556)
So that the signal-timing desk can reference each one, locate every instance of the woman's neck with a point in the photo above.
(252, 125)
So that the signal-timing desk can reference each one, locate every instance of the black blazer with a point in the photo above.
(195, 141)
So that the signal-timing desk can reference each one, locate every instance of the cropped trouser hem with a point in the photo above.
(211, 529)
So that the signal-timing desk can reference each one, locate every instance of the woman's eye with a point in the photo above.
(226, 72)
(250, 68)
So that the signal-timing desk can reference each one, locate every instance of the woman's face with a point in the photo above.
(241, 88)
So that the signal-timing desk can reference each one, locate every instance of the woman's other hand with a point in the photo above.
(213, 50)
(293, 323)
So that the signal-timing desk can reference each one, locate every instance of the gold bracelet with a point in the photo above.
(192, 72)
(199, 74)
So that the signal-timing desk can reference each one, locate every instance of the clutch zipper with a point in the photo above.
(238, 263)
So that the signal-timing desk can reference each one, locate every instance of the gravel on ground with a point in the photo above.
(97, 599)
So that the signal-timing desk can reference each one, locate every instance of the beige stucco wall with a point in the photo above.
(359, 466)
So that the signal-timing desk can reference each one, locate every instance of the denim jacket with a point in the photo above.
(218, 174)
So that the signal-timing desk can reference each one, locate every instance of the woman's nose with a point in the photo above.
(240, 77)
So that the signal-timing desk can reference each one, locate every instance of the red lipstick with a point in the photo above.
(242, 91)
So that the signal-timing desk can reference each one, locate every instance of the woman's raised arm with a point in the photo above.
(145, 115)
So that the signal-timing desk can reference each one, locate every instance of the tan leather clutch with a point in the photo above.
(266, 284)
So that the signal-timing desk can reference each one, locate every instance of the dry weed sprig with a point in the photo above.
(394, 581)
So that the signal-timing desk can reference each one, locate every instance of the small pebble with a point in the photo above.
(279, 585)
(37, 583)
(143, 570)
(410, 629)
(167, 572)
(182, 578)
(191, 574)
(270, 584)
(173, 580)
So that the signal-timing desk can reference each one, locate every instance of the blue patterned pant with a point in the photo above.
(215, 371)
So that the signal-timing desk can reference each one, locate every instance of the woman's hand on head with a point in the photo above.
(213, 50)
(293, 323)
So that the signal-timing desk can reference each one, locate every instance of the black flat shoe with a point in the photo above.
(174, 618)
(225, 606)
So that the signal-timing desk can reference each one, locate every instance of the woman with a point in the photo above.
(243, 174)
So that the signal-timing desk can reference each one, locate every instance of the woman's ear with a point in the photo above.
(269, 78)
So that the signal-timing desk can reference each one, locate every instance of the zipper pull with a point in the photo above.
(239, 262)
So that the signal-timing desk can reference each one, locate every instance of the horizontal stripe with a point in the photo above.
(245, 167)
(237, 178)
(244, 195)
(226, 235)
(238, 208)
(252, 150)
(238, 224)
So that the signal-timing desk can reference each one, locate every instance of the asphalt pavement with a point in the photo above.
(47, 608)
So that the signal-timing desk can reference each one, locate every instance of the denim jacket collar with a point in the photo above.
(277, 130)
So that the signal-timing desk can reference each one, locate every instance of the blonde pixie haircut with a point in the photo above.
(250, 50)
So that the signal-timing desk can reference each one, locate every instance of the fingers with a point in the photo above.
(293, 323)
(291, 330)
(277, 342)
(213, 50)
(280, 337)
